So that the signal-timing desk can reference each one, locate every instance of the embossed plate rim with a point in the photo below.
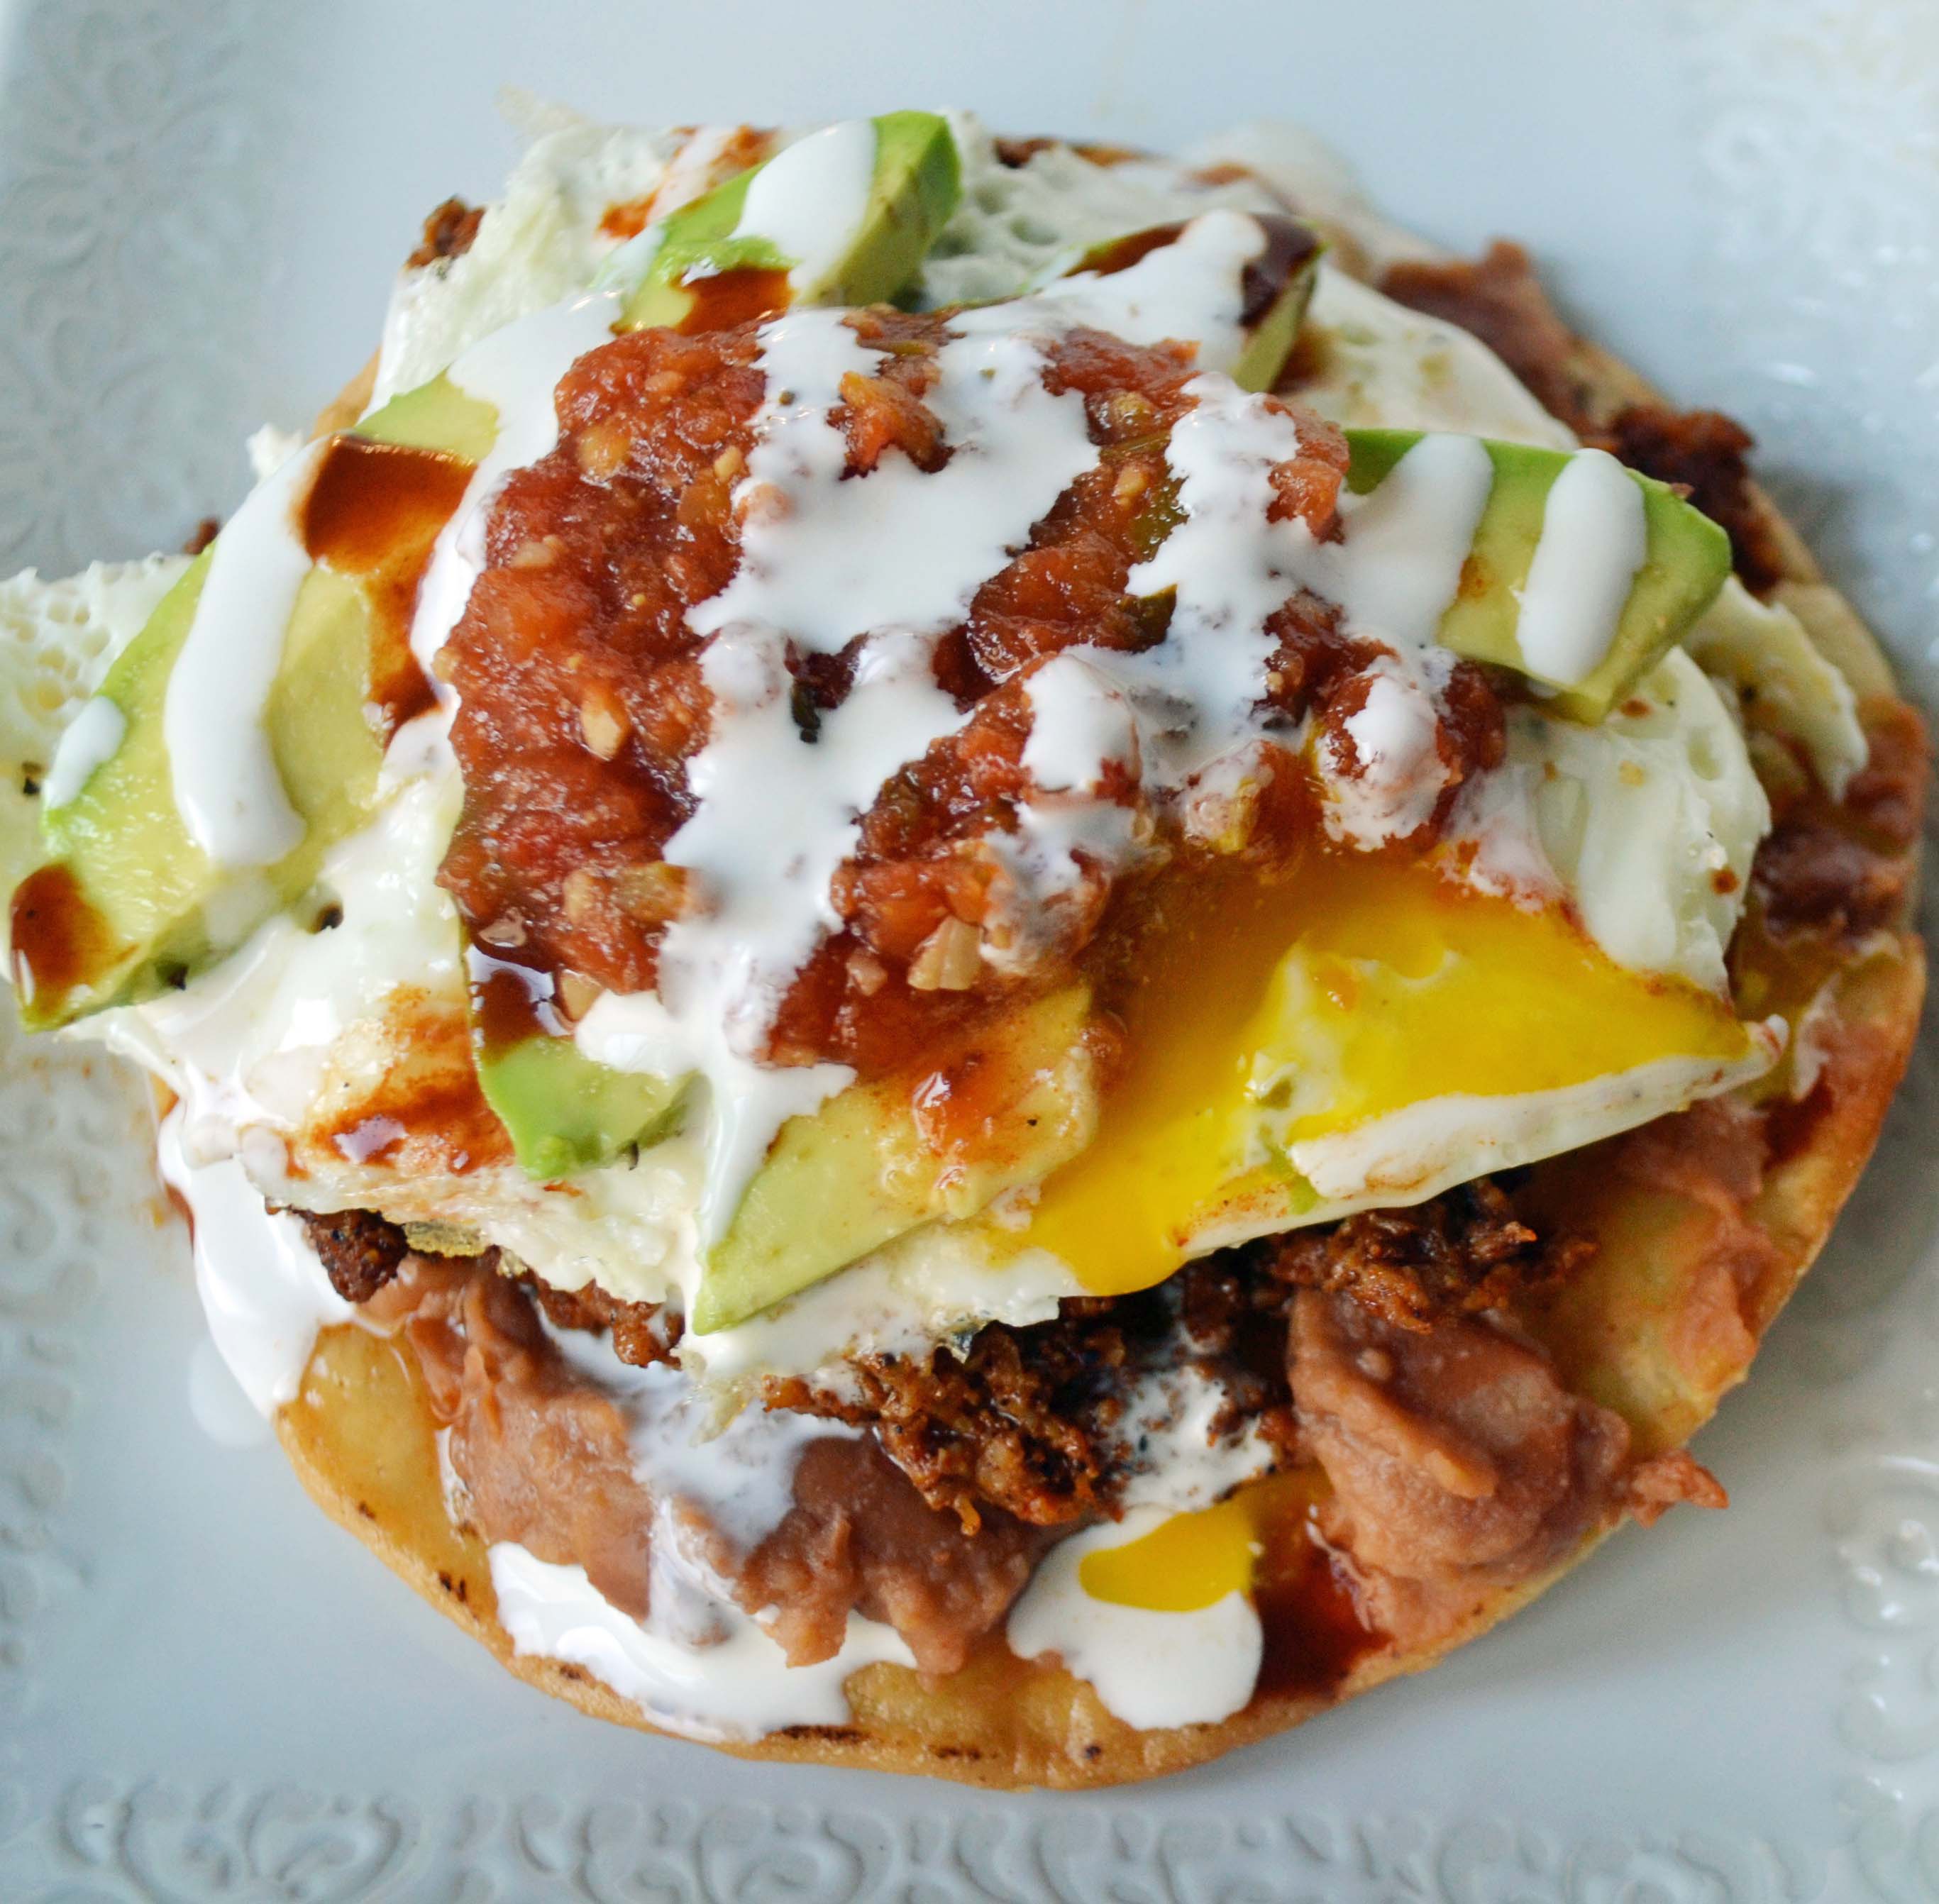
(144, 143)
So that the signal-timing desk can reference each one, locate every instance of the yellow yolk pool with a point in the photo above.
(1356, 987)
(1189, 1562)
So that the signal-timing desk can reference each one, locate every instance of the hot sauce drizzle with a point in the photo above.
(374, 511)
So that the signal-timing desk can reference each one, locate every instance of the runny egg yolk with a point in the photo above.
(1184, 1565)
(1278, 1012)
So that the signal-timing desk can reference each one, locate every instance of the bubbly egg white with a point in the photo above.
(1383, 365)
(1760, 651)
(539, 244)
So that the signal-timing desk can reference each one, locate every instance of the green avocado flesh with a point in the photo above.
(128, 904)
(564, 1114)
(880, 1159)
(1686, 560)
(1273, 331)
(439, 416)
(914, 190)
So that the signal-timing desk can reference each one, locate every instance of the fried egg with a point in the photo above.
(1364, 1031)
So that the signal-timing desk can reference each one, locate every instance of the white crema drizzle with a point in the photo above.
(740, 1688)
(895, 556)
(222, 770)
(1151, 1669)
(262, 1287)
(1192, 290)
(90, 739)
(1594, 537)
(810, 199)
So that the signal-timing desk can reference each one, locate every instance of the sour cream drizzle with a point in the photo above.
(1151, 1668)
(90, 739)
(1190, 290)
(222, 770)
(824, 559)
(1594, 539)
(1229, 568)
(894, 556)
(741, 1687)
(262, 1288)
(810, 199)
(1399, 568)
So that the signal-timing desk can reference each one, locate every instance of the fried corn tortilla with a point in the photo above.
(1705, 1222)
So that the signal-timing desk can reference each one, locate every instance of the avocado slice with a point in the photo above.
(710, 265)
(1275, 287)
(435, 416)
(563, 1112)
(873, 1163)
(1685, 559)
(128, 904)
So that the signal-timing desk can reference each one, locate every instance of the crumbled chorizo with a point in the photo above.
(359, 1251)
(1022, 1420)
(1456, 1254)
(642, 1333)
(448, 233)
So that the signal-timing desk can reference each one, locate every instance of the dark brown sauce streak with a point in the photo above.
(446, 1109)
(1314, 1635)
(1121, 253)
(1290, 246)
(510, 1003)
(61, 944)
(733, 297)
(374, 511)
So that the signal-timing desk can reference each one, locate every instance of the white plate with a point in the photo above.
(207, 1691)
